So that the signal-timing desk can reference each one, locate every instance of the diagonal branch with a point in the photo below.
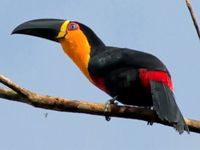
(66, 105)
(193, 17)
(14, 86)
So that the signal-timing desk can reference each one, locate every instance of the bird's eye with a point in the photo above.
(72, 26)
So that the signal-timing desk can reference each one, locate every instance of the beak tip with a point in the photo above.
(18, 30)
(13, 32)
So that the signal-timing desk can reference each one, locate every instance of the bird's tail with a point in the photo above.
(165, 106)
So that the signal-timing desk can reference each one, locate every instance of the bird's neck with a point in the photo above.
(92, 38)
(76, 46)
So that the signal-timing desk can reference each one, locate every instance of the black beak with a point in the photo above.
(51, 29)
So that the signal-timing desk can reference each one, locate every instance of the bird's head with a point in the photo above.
(77, 39)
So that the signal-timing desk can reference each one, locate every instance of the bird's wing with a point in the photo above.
(118, 58)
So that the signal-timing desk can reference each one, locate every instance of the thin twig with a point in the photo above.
(66, 105)
(193, 17)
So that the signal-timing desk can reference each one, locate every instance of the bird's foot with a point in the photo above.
(150, 122)
(111, 101)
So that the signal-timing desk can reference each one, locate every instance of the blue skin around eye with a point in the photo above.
(73, 26)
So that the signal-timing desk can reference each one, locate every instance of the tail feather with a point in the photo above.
(165, 106)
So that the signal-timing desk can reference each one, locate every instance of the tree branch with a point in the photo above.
(193, 17)
(19, 94)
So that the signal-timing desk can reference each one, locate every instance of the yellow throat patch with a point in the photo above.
(76, 46)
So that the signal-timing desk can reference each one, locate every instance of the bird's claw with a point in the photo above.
(150, 122)
(107, 117)
(111, 101)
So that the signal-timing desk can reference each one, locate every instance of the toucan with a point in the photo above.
(129, 76)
